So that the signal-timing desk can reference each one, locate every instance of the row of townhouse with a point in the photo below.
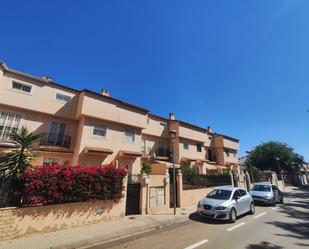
(89, 128)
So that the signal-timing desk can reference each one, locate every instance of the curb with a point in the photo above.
(101, 240)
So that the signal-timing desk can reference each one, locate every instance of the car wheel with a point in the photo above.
(233, 215)
(252, 208)
(273, 203)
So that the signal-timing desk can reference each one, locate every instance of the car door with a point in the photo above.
(246, 200)
(276, 193)
(238, 203)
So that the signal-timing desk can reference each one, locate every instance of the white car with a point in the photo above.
(226, 203)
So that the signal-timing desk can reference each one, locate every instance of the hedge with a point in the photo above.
(61, 184)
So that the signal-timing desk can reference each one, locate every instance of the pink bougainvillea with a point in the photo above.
(61, 184)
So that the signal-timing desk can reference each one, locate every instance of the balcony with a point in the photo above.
(55, 140)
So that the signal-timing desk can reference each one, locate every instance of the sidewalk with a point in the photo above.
(101, 232)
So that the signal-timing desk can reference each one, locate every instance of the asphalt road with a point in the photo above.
(283, 226)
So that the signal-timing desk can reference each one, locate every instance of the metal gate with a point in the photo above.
(133, 195)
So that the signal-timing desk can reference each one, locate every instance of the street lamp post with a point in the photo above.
(172, 134)
(250, 168)
(280, 171)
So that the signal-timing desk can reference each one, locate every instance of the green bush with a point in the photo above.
(146, 168)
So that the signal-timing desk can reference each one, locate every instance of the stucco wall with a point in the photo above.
(16, 222)
(193, 196)
(41, 99)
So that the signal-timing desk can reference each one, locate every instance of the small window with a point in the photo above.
(99, 131)
(21, 87)
(185, 145)
(62, 97)
(162, 125)
(51, 161)
(236, 194)
(129, 136)
(199, 147)
(227, 153)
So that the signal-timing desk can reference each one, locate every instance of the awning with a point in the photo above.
(98, 151)
(211, 167)
(189, 159)
(126, 153)
(168, 164)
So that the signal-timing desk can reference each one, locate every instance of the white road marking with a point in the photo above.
(274, 208)
(236, 226)
(258, 216)
(204, 241)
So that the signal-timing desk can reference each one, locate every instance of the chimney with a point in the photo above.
(171, 116)
(105, 92)
(47, 78)
(209, 129)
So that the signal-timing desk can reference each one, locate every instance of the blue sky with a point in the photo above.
(240, 66)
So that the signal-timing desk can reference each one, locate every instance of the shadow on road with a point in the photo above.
(264, 245)
(195, 217)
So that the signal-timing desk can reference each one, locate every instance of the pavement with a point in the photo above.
(78, 237)
(172, 231)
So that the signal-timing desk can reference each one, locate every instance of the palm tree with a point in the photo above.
(15, 162)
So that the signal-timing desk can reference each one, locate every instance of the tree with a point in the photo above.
(263, 157)
(16, 161)
(14, 164)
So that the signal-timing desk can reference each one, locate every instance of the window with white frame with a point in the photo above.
(143, 145)
(24, 88)
(99, 131)
(185, 145)
(62, 97)
(129, 136)
(8, 122)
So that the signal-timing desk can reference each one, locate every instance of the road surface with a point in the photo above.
(283, 226)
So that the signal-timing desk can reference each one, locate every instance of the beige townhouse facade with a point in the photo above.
(89, 128)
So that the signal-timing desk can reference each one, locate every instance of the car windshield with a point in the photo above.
(219, 194)
(264, 188)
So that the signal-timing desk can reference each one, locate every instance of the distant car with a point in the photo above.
(226, 203)
(267, 193)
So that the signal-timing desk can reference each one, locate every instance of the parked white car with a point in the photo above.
(265, 192)
(226, 203)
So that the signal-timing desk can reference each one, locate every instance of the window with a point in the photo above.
(143, 145)
(8, 122)
(51, 161)
(227, 153)
(161, 148)
(62, 97)
(129, 136)
(185, 145)
(242, 192)
(199, 147)
(56, 135)
(21, 87)
(236, 194)
(162, 125)
(99, 131)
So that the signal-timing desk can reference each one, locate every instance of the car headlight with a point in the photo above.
(220, 208)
